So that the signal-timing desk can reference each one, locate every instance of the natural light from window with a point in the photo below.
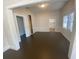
(68, 21)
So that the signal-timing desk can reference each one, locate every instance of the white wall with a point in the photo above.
(10, 38)
(5, 44)
(68, 8)
(73, 55)
(42, 20)
(5, 35)
(13, 2)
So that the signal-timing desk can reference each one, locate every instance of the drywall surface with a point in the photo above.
(73, 55)
(10, 40)
(5, 43)
(13, 2)
(69, 8)
(5, 35)
(11, 34)
(43, 20)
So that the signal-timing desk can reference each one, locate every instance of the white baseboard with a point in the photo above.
(6, 48)
(15, 48)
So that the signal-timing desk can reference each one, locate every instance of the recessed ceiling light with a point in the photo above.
(43, 5)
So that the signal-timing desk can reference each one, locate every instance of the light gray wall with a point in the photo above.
(68, 8)
(9, 39)
(5, 44)
(73, 55)
(42, 20)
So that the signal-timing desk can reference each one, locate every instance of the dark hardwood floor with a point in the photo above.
(41, 45)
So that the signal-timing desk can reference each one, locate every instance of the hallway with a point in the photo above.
(41, 45)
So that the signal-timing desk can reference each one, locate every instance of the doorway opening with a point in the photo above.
(21, 26)
(30, 24)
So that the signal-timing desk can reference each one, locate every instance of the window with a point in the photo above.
(68, 21)
(65, 22)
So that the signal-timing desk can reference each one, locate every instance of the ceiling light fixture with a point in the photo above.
(43, 5)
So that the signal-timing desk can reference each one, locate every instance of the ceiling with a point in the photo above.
(51, 5)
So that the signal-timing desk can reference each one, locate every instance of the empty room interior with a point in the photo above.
(39, 29)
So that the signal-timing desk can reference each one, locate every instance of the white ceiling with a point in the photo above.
(52, 5)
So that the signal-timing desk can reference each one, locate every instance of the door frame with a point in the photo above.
(17, 23)
(31, 27)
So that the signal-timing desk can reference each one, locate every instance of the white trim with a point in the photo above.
(28, 32)
(19, 15)
(6, 48)
(14, 48)
(23, 21)
(17, 26)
